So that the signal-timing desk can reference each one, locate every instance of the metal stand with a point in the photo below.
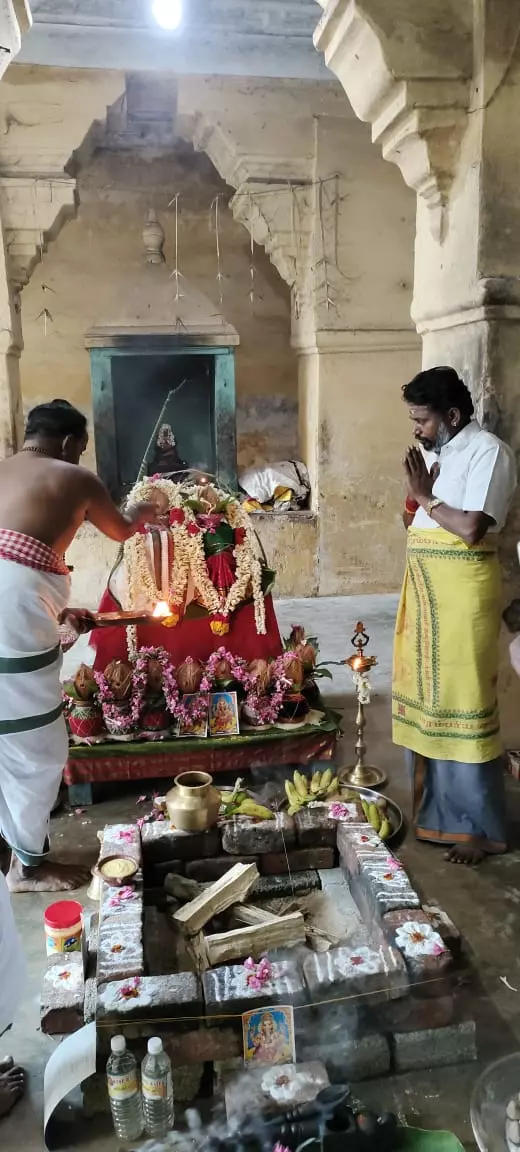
(362, 775)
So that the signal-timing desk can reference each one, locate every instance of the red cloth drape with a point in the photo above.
(191, 637)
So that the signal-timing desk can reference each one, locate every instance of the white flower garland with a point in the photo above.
(189, 557)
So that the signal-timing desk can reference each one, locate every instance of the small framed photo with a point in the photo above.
(197, 729)
(223, 714)
(268, 1036)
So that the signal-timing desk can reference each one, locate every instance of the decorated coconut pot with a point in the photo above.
(117, 718)
(155, 718)
(85, 720)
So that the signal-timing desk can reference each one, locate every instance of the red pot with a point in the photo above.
(155, 720)
(85, 720)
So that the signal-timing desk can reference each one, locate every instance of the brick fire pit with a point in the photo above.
(382, 998)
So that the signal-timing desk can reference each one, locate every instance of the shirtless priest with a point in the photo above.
(44, 498)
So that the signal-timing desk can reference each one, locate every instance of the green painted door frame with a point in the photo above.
(101, 360)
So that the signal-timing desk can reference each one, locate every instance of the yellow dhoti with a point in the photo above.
(444, 698)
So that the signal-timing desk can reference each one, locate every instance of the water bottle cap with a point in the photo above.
(118, 1044)
(155, 1046)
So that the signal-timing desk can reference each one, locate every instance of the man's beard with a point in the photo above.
(443, 437)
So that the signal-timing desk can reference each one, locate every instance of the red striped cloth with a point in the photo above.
(22, 549)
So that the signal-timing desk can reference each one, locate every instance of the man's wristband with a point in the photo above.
(411, 506)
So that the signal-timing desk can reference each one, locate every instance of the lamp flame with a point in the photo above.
(161, 610)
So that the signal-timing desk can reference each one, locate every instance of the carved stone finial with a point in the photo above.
(153, 238)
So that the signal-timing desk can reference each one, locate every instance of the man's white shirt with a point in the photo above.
(477, 474)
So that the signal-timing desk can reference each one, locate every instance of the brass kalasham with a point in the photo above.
(361, 775)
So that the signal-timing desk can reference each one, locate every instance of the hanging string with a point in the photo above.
(220, 277)
(176, 274)
(252, 260)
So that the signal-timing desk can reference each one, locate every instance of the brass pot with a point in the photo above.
(193, 803)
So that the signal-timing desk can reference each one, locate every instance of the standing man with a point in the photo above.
(45, 496)
(444, 698)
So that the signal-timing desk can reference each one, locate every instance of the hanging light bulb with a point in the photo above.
(168, 13)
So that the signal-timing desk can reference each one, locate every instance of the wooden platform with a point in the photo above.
(148, 760)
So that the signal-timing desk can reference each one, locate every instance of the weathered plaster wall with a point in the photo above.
(99, 254)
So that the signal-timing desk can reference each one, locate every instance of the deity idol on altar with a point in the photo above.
(201, 573)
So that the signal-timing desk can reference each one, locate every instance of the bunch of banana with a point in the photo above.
(377, 816)
(301, 791)
(238, 803)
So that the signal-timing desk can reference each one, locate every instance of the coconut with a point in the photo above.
(307, 654)
(297, 636)
(294, 671)
(154, 676)
(119, 679)
(222, 671)
(84, 682)
(189, 675)
(262, 674)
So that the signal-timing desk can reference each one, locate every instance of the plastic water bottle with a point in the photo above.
(156, 1082)
(123, 1091)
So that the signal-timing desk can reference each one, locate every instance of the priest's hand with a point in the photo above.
(147, 512)
(419, 481)
(78, 620)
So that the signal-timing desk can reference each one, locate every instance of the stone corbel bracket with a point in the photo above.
(33, 210)
(413, 93)
(273, 198)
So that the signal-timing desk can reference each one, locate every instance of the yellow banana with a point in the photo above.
(374, 816)
(385, 829)
(333, 786)
(366, 809)
(326, 778)
(316, 783)
(292, 794)
(301, 785)
(293, 809)
(249, 807)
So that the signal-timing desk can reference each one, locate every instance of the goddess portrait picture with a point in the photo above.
(223, 714)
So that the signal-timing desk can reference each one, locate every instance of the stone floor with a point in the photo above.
(483, 903)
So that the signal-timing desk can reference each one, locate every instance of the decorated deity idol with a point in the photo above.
(199, 573)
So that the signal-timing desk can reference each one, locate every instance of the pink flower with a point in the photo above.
(141, 822)
(356, 961)
(438, 950)
(193, 529)
(141, 799)
(126, 835)
(249, 963)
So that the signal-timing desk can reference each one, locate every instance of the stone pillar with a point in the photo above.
(357, 347)
(444, 104)
(15, 20)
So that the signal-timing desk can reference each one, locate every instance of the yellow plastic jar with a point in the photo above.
(63, 927)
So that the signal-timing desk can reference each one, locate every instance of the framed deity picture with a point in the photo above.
(268, 1036)
(197, 729)
(223, 714)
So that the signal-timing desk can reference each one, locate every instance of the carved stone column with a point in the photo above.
(443, 100)
(15, 20)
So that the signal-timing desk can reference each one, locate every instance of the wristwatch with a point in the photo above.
(433, 503)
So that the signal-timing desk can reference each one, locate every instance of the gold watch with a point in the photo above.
(433, 503)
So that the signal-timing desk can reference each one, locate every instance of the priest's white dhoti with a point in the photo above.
(12, 961)
(34, 589)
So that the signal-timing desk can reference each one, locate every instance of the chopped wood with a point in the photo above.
(250, 914)
(197, 951)
(284, 932)
(181, 888)
(232, 888)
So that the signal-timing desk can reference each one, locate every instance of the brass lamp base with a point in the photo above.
(363, 776)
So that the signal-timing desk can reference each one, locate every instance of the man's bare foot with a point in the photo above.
(49, 877)
(465, 854)
(12, 1088)
(6, 1063)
